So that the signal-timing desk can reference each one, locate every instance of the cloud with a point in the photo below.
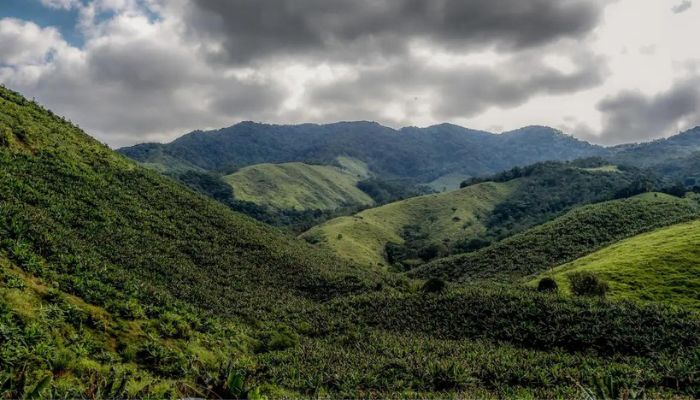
(134, 82)
(61, 4)
(452, 91)
(682, 7)
(632, 116)
(246, 30)
(23, 42)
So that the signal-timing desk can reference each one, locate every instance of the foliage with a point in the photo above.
(587, 284)
(420, 155)
(118, 283)
(659, 266)
(434, 285)
(547, 285)
(573, 235)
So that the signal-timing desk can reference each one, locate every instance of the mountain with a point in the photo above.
(299, 186)
(421, 154)
(575, 234)
(658, 151)
(657, 266)
(116, 282)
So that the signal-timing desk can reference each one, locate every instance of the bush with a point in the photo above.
(587, 284)
(434, 285)
(547, 285)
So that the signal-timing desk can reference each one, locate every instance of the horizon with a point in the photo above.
(133, 71)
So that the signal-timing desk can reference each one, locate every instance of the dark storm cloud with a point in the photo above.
(634, 117)
(250, 29)
(458, 91)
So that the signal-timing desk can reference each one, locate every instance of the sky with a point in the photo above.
(132, 71)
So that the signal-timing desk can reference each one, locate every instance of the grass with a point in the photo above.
(301, 186)
(116, 282)
(450, 216)
(566, 238)
(660, 266)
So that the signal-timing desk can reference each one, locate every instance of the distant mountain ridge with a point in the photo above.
(419, 154)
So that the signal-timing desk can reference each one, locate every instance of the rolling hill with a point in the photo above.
(485, 210)
(659, 266)
(300, 186)
(451, 216)
(116, 282)
(575, 234)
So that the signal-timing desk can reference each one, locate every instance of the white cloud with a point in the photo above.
(61, 4)
(23, 42)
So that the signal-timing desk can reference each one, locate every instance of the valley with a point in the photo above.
(124, 278)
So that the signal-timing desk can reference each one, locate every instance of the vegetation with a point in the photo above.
(118, 283)
(573, 235)
(421, 155)
(587, 284)
(444, 218)
(658, 266)
(298, 186)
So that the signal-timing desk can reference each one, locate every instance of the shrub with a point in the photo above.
(587, 284)
(547, 285)
(434, 285)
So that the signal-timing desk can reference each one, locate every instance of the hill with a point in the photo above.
(659, 266)
(299, 186)
(451, 216)
(421, 154)
(118, 283)
(413, 231)
(575, 234)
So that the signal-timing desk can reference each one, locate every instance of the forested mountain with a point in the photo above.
(421, 154)
(116, 282)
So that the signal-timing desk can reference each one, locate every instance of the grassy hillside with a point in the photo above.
(663, 265)
(299, 186)
(573, 235)
(455, 215)
(118, 283)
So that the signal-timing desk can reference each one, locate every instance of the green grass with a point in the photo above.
(455, 215)
(661, 266)
(300, 186)
(116, 282)
(573, 235)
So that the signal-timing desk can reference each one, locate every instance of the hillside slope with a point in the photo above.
(299, 186)
(421, 154)
(662, 266)
(452, 216)
(575, 234)
(118, 283)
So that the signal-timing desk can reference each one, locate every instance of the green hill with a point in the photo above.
(110, 271)
(453, 216)
(116, 282)
(663, 266)
(575, 234)
(299, 186)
